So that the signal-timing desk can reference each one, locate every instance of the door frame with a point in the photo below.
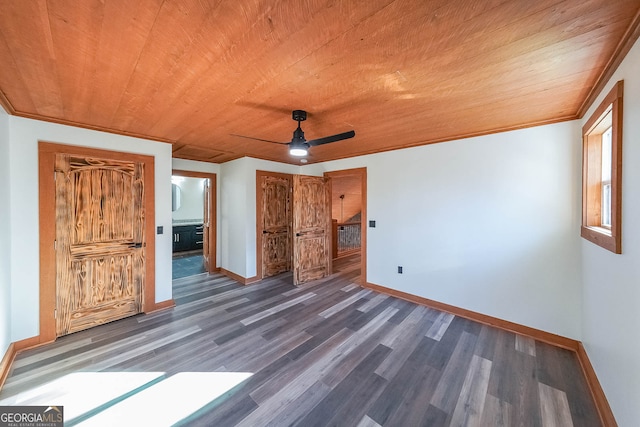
(362, 173)
(47, 152)
(213, 210)
(260, 216)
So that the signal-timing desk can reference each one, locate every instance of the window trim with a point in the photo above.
(610, 239)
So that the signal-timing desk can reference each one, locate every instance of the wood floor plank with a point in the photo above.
(554, 407)
(373, 302)
(279, 380)
(516, 382)
(352, 358)
(435, 417)
(439, 327)
(416, 321)
(350, 287)
(339, 395)
(301, 407)
(405, 382)
(496, 412)
(257, 358)
(526, 345)
(500, 384)
(228, 415)
(324, 353)
(448, 389)
(559, 368)
(276, 309)
(367, 422)
(277, 403)
(359, 401)
(442, 350)
(358, 320)
(404, 342)
(486, 344)
(412, 411)
(344, 303)
(404, 309)
(470, 406)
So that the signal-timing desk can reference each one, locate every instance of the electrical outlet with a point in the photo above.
(399, 269)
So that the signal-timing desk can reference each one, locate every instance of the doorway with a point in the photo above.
(349, 216)
(193, 206)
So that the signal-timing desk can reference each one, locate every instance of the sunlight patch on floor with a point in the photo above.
(168, 401)
(129, 398)
(82, 392)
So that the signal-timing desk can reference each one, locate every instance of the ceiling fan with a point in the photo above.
(299, 146)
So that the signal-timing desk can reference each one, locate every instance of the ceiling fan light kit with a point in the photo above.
(299, 146)
(298, 150)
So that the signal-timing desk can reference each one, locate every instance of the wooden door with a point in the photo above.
(276, 224)
(206, 256)
(100, 241)
(311, 228)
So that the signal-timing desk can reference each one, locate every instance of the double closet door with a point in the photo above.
(294, 225)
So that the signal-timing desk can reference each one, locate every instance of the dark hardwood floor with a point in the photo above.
(326, 353)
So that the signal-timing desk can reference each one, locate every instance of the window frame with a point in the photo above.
(591, 228)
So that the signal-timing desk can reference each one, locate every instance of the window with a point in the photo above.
(605, 207)
(602, 173)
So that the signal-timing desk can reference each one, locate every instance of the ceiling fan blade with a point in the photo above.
(259, 139)
(332, 138)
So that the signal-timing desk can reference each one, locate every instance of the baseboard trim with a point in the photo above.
(5, 364)
(29, 343)
(163, 305)
(604, 410)
(602, 405)
(238, 278)
(11, 353)
(548, 337)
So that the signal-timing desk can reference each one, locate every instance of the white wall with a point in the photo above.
(23, 204)
(489, 224)
(195, 166)
(191, 199)
(5, 236)
(611, 314)
(238, 212)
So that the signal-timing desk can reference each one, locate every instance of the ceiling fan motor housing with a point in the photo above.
(299, 115)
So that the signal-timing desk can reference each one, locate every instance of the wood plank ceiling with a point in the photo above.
(399, 72)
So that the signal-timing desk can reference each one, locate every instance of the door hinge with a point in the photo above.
(55, 245)
(55, 313)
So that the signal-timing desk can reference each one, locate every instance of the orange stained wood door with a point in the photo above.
(100, 241)
(206, 253)
(311, 228)
(276, 224)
